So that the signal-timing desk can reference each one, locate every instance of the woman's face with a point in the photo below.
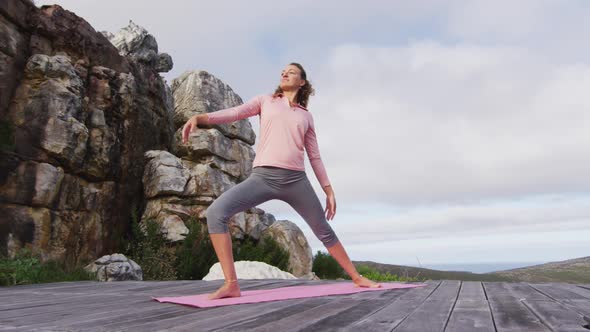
(291, 78)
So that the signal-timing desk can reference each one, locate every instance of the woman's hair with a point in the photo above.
(304, 92)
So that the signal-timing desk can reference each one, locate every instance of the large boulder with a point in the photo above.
(198, 92)
(164, 174)
(290, 237)
(135, 41)
(249, 270)
(115, 267)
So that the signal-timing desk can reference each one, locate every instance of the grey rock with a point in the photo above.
(164, 63)
(164, 174)
(135, 42)
(115, 267)
(290, 237)
(199, 92)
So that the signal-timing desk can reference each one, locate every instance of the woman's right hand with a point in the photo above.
(189, 126)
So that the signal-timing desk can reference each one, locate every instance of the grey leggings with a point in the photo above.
(266, 183)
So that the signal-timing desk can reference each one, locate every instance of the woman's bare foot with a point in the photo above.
(364, 282)
(229, 289)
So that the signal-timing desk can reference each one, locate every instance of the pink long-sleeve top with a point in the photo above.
(284, 132)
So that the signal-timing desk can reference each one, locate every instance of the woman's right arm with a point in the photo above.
(248, 109)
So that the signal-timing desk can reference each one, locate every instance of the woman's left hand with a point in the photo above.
(330, 206)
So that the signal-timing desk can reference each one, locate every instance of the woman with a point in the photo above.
(278, 172)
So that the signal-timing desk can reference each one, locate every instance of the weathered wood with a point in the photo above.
(392, 314)
(508, 311)
(360, 309)
(472, 311)
(279, 309)
(580, 291)
(568, 295)
(434, 312)
(219, 318)
(137, 302)
(308, 314)
(559, 311)
(163, 322)
(440, 306)
(561, 292)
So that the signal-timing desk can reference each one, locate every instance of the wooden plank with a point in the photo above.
(201, 321)
(580, 306)
(104, 314)
(90, 306)
(567, 295)
(57, 304)
(115, 314)
(46, 285)
(392, 314)
(77, 309)
(559, 291)
(222, 317)
(251, 323)
(434, 312)
(108, 313)
(48, 301)
(472, 311)
(122, 323)
(556, 316)
(551, 311)
(371, 303)
(508, 311)
(81, 285)
(585, 293)
(208, 320)
(308, 317)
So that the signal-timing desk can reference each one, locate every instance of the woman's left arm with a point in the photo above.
(313, 153)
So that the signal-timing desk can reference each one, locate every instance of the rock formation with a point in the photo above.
(250, 270)
(91, 135)
(77, 117)
(290, 237)
(115, 267)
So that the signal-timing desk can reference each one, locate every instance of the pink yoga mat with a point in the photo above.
(281, 293)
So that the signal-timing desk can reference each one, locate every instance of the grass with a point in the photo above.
(375, 275)
(26, 268)
(326, 267)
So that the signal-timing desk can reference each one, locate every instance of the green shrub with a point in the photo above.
(326, 267)
(191, 258)
(26, 268)
(265, 250)
(151, 250)
(196, 255)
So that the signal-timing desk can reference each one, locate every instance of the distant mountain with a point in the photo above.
(573, 270)
(423, 273)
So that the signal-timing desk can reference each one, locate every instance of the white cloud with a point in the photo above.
(362, 224)
(553, 29)
(538, 247)
(436, 123)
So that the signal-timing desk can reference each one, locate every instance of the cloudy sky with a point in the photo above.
(453, 132)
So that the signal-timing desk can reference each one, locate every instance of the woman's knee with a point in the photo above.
(328, 238)
(217, 218)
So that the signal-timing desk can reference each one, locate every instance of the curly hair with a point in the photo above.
(304, 92)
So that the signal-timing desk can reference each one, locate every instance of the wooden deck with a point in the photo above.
(445, 305)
